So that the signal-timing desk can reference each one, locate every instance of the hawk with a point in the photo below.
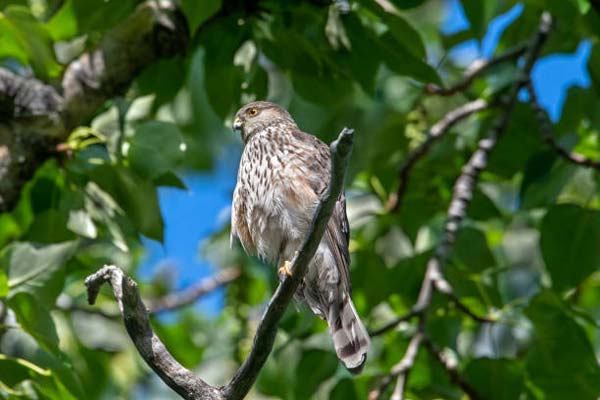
(282, 175)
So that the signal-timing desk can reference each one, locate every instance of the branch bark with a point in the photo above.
(477, 68)
(152, 350)
(462, 194)
(35, 116)
(188, 296)
(435, 133)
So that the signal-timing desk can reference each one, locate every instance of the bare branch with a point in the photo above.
(392, 324)
(451, 369)
(267, 328)
(188, 296)
(548, 132)
(477, 68)
(436, 132)
(156, 355)
(154, 352)
(462, 195)
(401, 370)
(444, 287)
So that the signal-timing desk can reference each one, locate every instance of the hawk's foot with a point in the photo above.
(285, 269)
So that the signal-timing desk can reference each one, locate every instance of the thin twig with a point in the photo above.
(191, 294)
(267, 328)
(461, 198)
(436, 132)
(152, 350)
(477, 67)
(451, 369)
(399, 371)
(444, 287)
(392, 324)
(548, 132)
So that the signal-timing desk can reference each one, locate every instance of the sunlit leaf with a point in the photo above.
(569, 242)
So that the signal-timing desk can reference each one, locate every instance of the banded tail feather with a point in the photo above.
(350, 338)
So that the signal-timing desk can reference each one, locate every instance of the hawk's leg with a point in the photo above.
(286, 268)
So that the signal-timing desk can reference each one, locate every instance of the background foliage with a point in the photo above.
(528, 255)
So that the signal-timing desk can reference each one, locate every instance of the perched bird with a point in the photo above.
(282, 175)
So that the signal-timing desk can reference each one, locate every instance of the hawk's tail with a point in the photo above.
(350, 338)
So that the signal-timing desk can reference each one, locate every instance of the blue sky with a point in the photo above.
(192, 216)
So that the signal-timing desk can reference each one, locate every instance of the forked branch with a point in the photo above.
(152, 350)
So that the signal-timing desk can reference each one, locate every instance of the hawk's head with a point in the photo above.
(258, 115)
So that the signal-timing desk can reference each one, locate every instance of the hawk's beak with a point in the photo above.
(237, 124)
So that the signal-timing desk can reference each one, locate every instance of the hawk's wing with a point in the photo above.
(337, 234)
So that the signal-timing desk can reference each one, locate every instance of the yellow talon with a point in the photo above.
(286, 268)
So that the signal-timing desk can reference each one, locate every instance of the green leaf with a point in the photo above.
(472, 251)
(156, 148)
(35, 319)
(81, 223)
(344, 390)
(3, 284)
(222, 79)
(495, 379)
(401, 30)
(16, 370)
(561, 360)
(169, 179)
(569, 242)
(593, 66)
(197, 12)
(401, 61)
(136, 196)
(479, 13)
(544, 179)
(37, 270)
(24, 38)
(63, 24)
(163, 90)
(314, 367)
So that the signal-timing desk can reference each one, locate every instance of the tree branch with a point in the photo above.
(477, 68)
(451, 369)
(189, 295)
(156, 355)
(152, 350)
(436, 132)
(400, 370)
(267, 328)
(548, 132)
(35, 116)
(463, 193)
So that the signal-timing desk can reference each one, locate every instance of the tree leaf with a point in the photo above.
(496, 379)
(16, 370)
(569, 242)
(197, 12)
(472, 251)
(37, 270)
(136, 196)
(479, 12)
(561, 360)
(150, 136)
(314, 367)
(23, 37)
(401, 61)
(401, 30)
(344, 390)
(35, 319)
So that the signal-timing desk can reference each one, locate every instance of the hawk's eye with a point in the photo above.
(252, 112)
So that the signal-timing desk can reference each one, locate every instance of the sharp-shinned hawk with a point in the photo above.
(282, 175)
